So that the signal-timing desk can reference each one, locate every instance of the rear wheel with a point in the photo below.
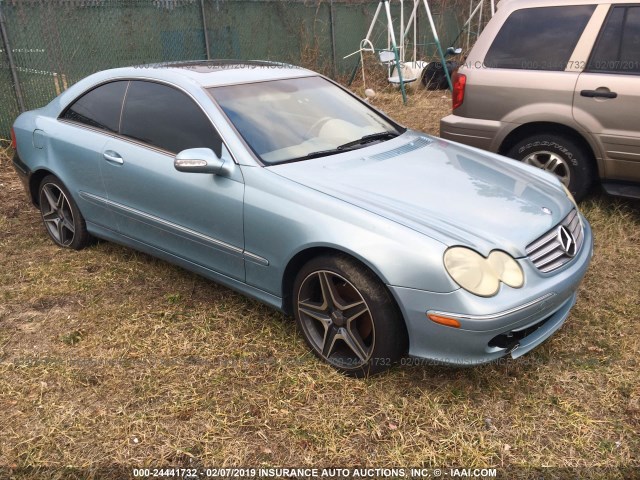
(60, 214)
(347, 316)
(561, 156)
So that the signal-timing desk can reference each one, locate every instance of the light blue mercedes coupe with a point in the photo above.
(275, 181)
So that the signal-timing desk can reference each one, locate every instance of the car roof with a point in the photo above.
(211, 73)
(518, 4)
(187, 74)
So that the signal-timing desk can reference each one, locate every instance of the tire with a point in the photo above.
(347, 316)
(60, 215)
(560, 155)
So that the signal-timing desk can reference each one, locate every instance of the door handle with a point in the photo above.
(598, 94)
(113, 157)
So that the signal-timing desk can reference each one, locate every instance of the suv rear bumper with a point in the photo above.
(481, 134)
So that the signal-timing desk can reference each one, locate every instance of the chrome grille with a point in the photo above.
(554, 249)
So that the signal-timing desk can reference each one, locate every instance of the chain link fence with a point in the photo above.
(55, 43)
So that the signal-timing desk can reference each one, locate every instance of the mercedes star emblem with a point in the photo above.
(567, 242)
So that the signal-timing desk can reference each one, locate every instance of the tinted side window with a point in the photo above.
(100, 107)
(618, 48)
(539, 38)
(166, 118)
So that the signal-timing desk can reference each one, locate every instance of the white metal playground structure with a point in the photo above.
(401, 72)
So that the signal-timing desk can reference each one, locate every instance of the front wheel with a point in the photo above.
(559, 155)
(60, 214)
(347, 316)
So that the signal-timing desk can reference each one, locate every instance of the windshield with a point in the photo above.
(300, 118)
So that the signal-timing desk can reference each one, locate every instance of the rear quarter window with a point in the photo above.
(618, 47)
(540, 38)
(99, 108)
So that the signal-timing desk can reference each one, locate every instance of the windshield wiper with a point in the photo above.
(351, 145)
(368, 139)
(325, 153)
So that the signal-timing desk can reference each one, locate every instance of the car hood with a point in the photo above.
(452, 193)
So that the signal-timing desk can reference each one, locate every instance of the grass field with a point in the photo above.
(110, 359)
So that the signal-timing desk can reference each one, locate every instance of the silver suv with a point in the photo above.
(556, 84)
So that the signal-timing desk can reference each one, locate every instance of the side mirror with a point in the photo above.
(199, 160)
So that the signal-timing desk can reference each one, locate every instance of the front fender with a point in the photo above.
(283, 218)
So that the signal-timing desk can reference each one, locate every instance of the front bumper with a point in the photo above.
(527, 316)
(477, 133)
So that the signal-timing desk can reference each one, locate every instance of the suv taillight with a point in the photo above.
(459, 81)
(14, 144)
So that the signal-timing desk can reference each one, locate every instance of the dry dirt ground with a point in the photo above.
(110, 359)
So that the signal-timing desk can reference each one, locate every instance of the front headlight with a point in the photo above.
(482, 276)
(573, 200)
(570, 195)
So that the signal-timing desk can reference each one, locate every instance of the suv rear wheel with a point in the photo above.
(560, 155)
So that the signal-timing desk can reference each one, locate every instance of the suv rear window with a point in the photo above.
(618, 48)
(540, 38)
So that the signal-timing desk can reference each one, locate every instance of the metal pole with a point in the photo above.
(493, 7)
(412, 18)
(401, 44)
(468, 30)
(392, 36)
(480, 18)
(468, 22)
(204, 28)
(437, 39)
(415, 42)
(373, 24)
(12, 65)
(333, 39)
(473, 14)
(354, 72)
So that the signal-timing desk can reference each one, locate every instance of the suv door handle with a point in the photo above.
(598, 94)
(113, 157)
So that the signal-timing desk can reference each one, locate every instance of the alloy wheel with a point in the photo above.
(552, 163)
(336, 319)
(57, 214)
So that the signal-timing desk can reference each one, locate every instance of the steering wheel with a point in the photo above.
(316, 125)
